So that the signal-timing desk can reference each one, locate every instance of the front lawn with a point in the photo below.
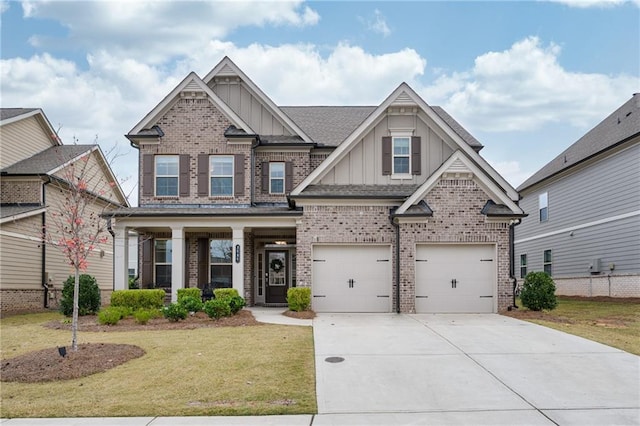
(614, 322)
(254, 370)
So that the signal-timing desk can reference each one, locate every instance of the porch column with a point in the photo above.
(237, 256)
(177, 261)
(121, 258)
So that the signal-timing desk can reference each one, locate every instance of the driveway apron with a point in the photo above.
(468, 368)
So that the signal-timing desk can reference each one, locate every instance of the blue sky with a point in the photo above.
(525, 78)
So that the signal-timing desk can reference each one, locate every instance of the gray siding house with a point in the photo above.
(375, 208)
(583, 226)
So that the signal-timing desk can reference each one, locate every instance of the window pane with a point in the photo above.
(547, 256)
(222, 186)
(163, 251)
(543, 200)
(401, 165)
(276, 170)
(523, 272)
(166, 186)
(221, 166)
(547, 269)
(163, 275)
(221, 276)
(400, 146)
(523, 260)
(167, 165)
(277, 186)
(221, 251)
(544, 214)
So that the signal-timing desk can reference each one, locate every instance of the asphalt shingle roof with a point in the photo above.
(6, 113)
(622, 124)
(358, 191)
(8, 210)
(170, 211)
(457, 127)
(47, 160)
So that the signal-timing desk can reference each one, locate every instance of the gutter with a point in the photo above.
(396, 225)
(113, 260)
(43, 260)
(254, 145)
(512, 260)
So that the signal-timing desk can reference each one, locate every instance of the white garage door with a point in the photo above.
(351, 278)
(455, 278)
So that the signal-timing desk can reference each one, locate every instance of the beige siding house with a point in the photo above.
(386, 208)
(33, 188)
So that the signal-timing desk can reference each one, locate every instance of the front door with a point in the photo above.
(277, 277)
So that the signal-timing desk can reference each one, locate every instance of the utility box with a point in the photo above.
(594, 266)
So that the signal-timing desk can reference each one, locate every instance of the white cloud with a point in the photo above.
(377, 24)
(524, 88)
(157, 31)
(511, 171)
(583, 4)
(4, 6)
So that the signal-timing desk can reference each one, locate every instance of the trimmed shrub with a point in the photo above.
(538, 292)
(175, 312)
(88, 296)
(191, 304)
(143, 316)
(109, 316)
(138, 299)
(299, 298)
(189, 292)
(217, 308)
(235, 304)
(225, 293)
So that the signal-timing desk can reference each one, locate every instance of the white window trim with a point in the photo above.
(156, 263)
(524, 265)
(219, 263)
(394, 136)
(550, 262)
(233, 165)
(156, 175)
(543, 203)
(284, 176)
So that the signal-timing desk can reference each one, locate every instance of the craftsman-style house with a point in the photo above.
(377, 209)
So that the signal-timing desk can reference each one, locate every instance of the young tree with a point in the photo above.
(75, 226)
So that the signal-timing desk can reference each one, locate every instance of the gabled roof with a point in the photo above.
(11, 212)
(620, 126)
(48, 161)
(226, 67)
(459, 163)
(191, 81)
(404, 95)
(357, 191)
(457, 127)
(11, 115)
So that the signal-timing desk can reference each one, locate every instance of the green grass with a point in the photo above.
(207, 371)
(614, 323)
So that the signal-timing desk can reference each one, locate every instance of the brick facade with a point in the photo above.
(599, 285)
(20, 191)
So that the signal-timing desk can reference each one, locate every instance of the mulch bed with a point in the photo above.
(47, 365)
(300, 315)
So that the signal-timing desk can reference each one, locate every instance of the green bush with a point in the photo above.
(225, 293)
(124, 311)
(299, 298)
(235, 304)
(109, 316)
(538, 292)
(138, 299)
(189, 292)
(133, 283)
(190, 303)
(217, 308)
(143, 316)
(88, 296)
(175, 312)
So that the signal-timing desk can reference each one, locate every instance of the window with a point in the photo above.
(220, 263)
(276, 178)
(523, 265)
(162, 256)
(401, 155)
(221, 175)
(166, 175)
(543, 206)
(546, 262)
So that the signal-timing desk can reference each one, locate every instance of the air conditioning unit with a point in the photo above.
(594, 266)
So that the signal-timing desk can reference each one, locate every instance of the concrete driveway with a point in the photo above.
(467, 369)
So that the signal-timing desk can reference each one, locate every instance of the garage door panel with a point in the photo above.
(351, 278)
(455, 278)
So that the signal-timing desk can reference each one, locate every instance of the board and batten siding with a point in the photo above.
(600, 205)
(363, 164)
(21, 254)
(21, 139)
(249, 107)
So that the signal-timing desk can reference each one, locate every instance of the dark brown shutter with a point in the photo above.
(146, 269)
(386, 155)
(238, 175)
(203, 262)
(203, 175)
(184, 175)
(288, 176)
(416, 157)
(265, 177)
(147, 175)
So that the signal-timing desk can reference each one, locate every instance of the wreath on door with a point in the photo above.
(276, 265)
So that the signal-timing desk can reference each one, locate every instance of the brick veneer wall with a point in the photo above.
(18, 301)
(301, 169)
(12, 191)
(627, 285)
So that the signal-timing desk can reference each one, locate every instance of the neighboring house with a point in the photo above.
(585, 231)
(377, 209)
(32, 178)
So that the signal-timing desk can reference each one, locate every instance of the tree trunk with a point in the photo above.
(74, 321)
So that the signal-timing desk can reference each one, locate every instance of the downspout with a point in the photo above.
(253, 171)
(396, 225)
(512, 261)
(43, 260)
(113, 260)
